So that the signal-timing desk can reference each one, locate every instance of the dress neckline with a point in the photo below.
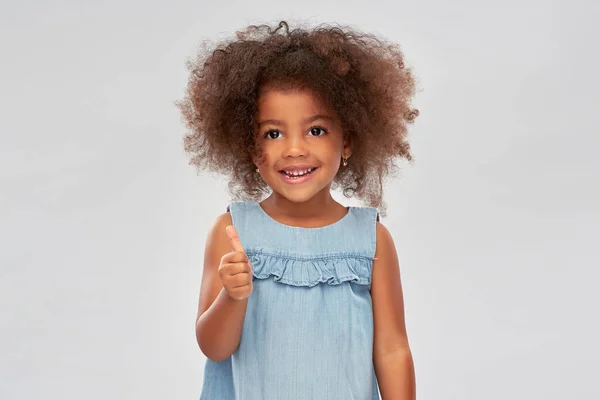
(301, 228)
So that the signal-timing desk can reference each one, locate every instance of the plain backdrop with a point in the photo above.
(102, 221)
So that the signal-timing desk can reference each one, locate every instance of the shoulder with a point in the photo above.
(224, 218)
(241, 210)
(222, 221)
(365, 216)
(385, 247)
(382, 232)
(360, 230)
(386, 267)
(216, 234)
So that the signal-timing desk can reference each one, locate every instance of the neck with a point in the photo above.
(317, 206)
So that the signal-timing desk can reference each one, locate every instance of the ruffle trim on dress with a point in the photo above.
(310, 272)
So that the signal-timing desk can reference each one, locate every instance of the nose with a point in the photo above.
(296, 146)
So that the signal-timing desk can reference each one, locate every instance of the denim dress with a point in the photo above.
(308, 329)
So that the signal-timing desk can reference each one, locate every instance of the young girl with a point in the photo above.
(300, 296)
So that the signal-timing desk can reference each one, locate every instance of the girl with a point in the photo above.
(300, 296)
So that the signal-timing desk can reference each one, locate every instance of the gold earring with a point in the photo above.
(344, 162)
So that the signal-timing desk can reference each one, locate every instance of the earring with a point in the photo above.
(256, 169)
(344, 162)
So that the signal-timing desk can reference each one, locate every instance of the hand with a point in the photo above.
(235, 271)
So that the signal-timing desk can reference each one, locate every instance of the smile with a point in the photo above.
(297, 175)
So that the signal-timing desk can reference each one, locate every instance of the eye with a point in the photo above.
(317, 131)
(273, 134)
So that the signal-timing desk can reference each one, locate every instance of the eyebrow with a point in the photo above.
(306, 121)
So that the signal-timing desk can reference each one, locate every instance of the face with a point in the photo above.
(301, 143)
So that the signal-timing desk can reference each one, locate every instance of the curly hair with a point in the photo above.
(363, 78)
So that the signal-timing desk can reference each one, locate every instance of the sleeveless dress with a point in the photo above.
(308, 329)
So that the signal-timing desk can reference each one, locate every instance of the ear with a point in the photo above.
(347, 149)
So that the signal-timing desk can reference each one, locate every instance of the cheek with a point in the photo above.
(259, 153)
(260, 159)
(334, 151)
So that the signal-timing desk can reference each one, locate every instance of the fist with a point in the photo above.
(235, 271)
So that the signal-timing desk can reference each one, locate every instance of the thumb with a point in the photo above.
(234, 239)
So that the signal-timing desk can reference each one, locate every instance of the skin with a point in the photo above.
(392, 357)
(295, 128)
(220, 315)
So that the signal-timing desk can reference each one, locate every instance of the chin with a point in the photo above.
(294, 196)
(297, 195)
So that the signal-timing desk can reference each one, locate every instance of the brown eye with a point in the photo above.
(273, 134)
(316, 131)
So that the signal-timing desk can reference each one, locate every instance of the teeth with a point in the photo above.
(298, 173)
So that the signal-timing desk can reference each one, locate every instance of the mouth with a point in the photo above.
(297, 175)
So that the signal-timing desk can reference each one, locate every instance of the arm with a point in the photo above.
(220, 318)
(391, 353)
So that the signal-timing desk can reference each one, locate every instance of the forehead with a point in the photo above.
(290, 101)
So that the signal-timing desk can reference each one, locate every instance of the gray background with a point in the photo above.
(102, 222)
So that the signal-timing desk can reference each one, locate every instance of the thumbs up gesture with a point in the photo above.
(235, 271)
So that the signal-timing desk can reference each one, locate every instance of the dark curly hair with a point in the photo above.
(363, 78)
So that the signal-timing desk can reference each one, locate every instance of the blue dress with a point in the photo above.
(308, 329)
